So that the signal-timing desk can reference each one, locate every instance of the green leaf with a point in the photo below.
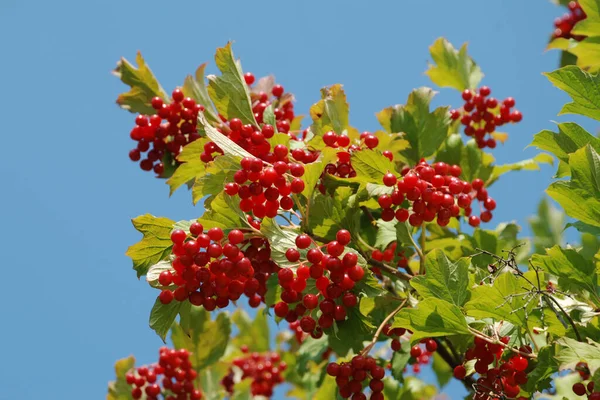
(242, 390)
(195, 87)
(254, 334)
(432, 318)
(217, 173)
(580, 197)
(540, 376)
(280, 241)
(162, 316)
(227, 145)
(269, 118)
(154, 246)
(191, 166)
(155, 271)
(205, 339)
(443, 371)
(371, 164)
(313, 171)
(584, 228)
(583, 87)
(570, 138)
(310, 350)
(453, 68)
(351, 333)
(590, 26)
(531, 164)
(331, 112)
(377, 307)
(229, 91)
(443, 280)
(586, 53)
(425, 131)
(143, 83)
(547, 226)
(120, 389)
(573, 352)
(223, 212)
(400, 360)
(572, 269)
(329, 215)
(503, 301)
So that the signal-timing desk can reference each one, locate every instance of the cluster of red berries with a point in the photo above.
(565, 24)
(388, 255)
(499, 376)
(265, 370)
(350, 376)
(343, 166)
(582, 389)
(177, 383)
(434, 190)
(283, 108)
(252, 138)
(157, 138)
(420, 355)
(211, 271)
(334, 277)
(269, 188)
(481, 115)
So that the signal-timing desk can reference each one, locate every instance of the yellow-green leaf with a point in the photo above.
(453, 68)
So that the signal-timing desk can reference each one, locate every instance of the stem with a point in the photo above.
(380, 329)
(422, 253)
(289, 221)
(303, 219)
(535, 346)
(453, 362)
(488, 339)
(399, 274)
(368, 214)
(362, 241)
(566, 315)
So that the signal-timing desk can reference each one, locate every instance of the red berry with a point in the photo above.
(389, 179)
(178, 236)
(431, 345)
(166, 296)
(292, 255)
(415, 351)
(249, 78)
(460, 372)
(277, 90)
(303, 241)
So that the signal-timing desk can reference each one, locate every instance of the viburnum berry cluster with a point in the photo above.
(255, 139)
(481, 115)
(331, 277)
(429, 191)
(582, 388)
(501, 373)
(350, 377)
(265, 371)
(343, 165)
(177, 381)
(420, 353)
(388, 255)
(269, 187)
(211, 271)
(165, 132)
(565, 24)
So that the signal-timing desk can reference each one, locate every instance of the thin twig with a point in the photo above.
(545, 295)
(495, 341)
(380, 329)
(399, 274)
(368, 214)
(422, 252)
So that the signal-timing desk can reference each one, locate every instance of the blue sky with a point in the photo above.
(71, 302)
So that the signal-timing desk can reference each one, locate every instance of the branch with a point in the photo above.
(368, 214)
(468, 381)
(399, 274)
(488, 339)
(544, 295)
(380, 329)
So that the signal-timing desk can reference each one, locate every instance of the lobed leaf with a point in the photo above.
(154, 246)
(453, 68)
(143, 83)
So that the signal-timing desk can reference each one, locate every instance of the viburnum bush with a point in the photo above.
(371, 250)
